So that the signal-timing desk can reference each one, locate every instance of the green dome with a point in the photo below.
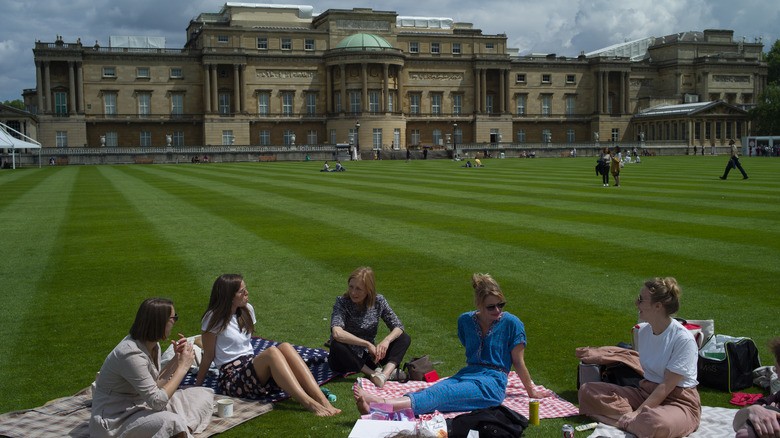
(363, 41)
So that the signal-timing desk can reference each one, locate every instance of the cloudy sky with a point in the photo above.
(565, 27)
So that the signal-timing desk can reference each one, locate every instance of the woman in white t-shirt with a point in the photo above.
(666, 404)
(227, 327)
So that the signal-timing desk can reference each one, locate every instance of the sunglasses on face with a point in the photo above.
(493, 307)
(175, 317)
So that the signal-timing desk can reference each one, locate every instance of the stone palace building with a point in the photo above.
(254, 74)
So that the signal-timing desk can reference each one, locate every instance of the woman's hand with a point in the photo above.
(186, 357)
(626, 419)
(532, 393)
(178, 346)
(381, 350)
(765, 421)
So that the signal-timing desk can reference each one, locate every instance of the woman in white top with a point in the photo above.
(666, 404)
(134, 397)
(227, 327)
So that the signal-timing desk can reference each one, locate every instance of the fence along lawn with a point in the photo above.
(84, 245)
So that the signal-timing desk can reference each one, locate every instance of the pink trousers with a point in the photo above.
(677, 416)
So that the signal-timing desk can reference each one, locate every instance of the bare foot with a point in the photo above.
(363, 400)
(318, 409)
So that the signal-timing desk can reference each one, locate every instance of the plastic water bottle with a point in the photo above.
(331, 396)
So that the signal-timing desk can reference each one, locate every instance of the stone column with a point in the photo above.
(605, 91)
(39, 85)
(507, 94)
(206, 88)
(328, 89)
(477, 99)
(364, 92)
(47, 85)
(598, 92)
(79, 88)
(344, 103)
(237, 88)
(242, 70)
(501, 88)
(214, 91)
(399, 76)
(71, 89)
(386, 86)
(622, 109)
(483, 89)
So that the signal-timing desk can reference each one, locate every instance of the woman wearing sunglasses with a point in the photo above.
(132, 396)
(666, 404)
(494, 341)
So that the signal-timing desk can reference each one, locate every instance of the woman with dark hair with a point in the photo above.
(227, 327)
(494, 341)
(762, 418)
(602, 166)
(133, 397)
(353, 327)
(666, 403)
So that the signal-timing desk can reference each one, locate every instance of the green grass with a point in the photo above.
(83, 246)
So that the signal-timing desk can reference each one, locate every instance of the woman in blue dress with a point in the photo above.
(494, 341)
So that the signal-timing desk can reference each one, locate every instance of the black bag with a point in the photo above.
(496, 421)
(727, 363)
(620, 374)
(418, 367)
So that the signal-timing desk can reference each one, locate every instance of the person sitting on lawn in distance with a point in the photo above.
(762, 418)
(132, 396)
(227, 327)
(667, 403)
(353, 327)
(495, 341)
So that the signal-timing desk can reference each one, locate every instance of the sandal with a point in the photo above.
(378, 379)
(399, 375)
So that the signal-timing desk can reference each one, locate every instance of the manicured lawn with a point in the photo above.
(83, 246)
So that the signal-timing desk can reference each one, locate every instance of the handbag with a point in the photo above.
(727, 363)
(496, 421)
(418, 367)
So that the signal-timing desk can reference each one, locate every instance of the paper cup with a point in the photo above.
(225, 408)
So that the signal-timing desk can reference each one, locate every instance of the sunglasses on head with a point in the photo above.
(493, 307)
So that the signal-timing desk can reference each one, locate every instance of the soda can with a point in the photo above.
(533, 412)
(567, 431)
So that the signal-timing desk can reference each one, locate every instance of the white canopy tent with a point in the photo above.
(8, 141)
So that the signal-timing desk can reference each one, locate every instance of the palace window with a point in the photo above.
(520, 78)
(456, 49)
(311, 137)
(569, 79)
(176, 73)
(287, 104)
(414, 47)
(415, 137)
(377, 138)
(112, 139)
(262, 43)
(222, 38)
(146, 139)
(286, 44)
(61, 103)
(308, 45)
(490, 46)
(546, 78)
(457, 104)
(227, 138)
(311, 104)
(436, 104)
(109, 72)
(178, 138)
(224, 103)
(435, 48)
(521, 135)
(263, 104)
(570, 105)
(265, 137)
(489, 104)
(142, 72)
(109, 104)
(414, 104)
(546, 105)
(520, 105)
(62, 139)
(177, 104)
(437, 137)
(354, 102)
(373, 102)
(570, 135)
(144, 104)
(289, 136)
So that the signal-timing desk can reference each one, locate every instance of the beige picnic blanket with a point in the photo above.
(69, 417)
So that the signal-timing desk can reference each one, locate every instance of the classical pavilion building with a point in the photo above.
(254, 74)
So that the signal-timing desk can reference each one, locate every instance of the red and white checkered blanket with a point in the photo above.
(516, 397)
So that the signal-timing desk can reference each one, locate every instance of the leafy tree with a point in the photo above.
(15, 103)
(773, 63)
(766, 114)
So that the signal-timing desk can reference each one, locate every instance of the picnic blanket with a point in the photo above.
(69, 417)
(516, 397)
(315, 358)
(715, 423)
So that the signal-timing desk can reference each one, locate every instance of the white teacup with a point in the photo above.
(225, 407)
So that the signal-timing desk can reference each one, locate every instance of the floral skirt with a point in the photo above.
(238, 378)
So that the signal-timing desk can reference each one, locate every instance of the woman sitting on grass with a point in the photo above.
(666, 404)
(133, 397)
(761, 419)
(494, 340)
(353, 326)
(227, 327)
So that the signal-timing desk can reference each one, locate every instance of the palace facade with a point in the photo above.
(255, 74)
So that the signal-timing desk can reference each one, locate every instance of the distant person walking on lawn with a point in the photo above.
(614, 166)
(602, 166)
(494, 341)
(734, 162)
(227, 328)
(134, 397)
(666, 403)
(353, 327)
